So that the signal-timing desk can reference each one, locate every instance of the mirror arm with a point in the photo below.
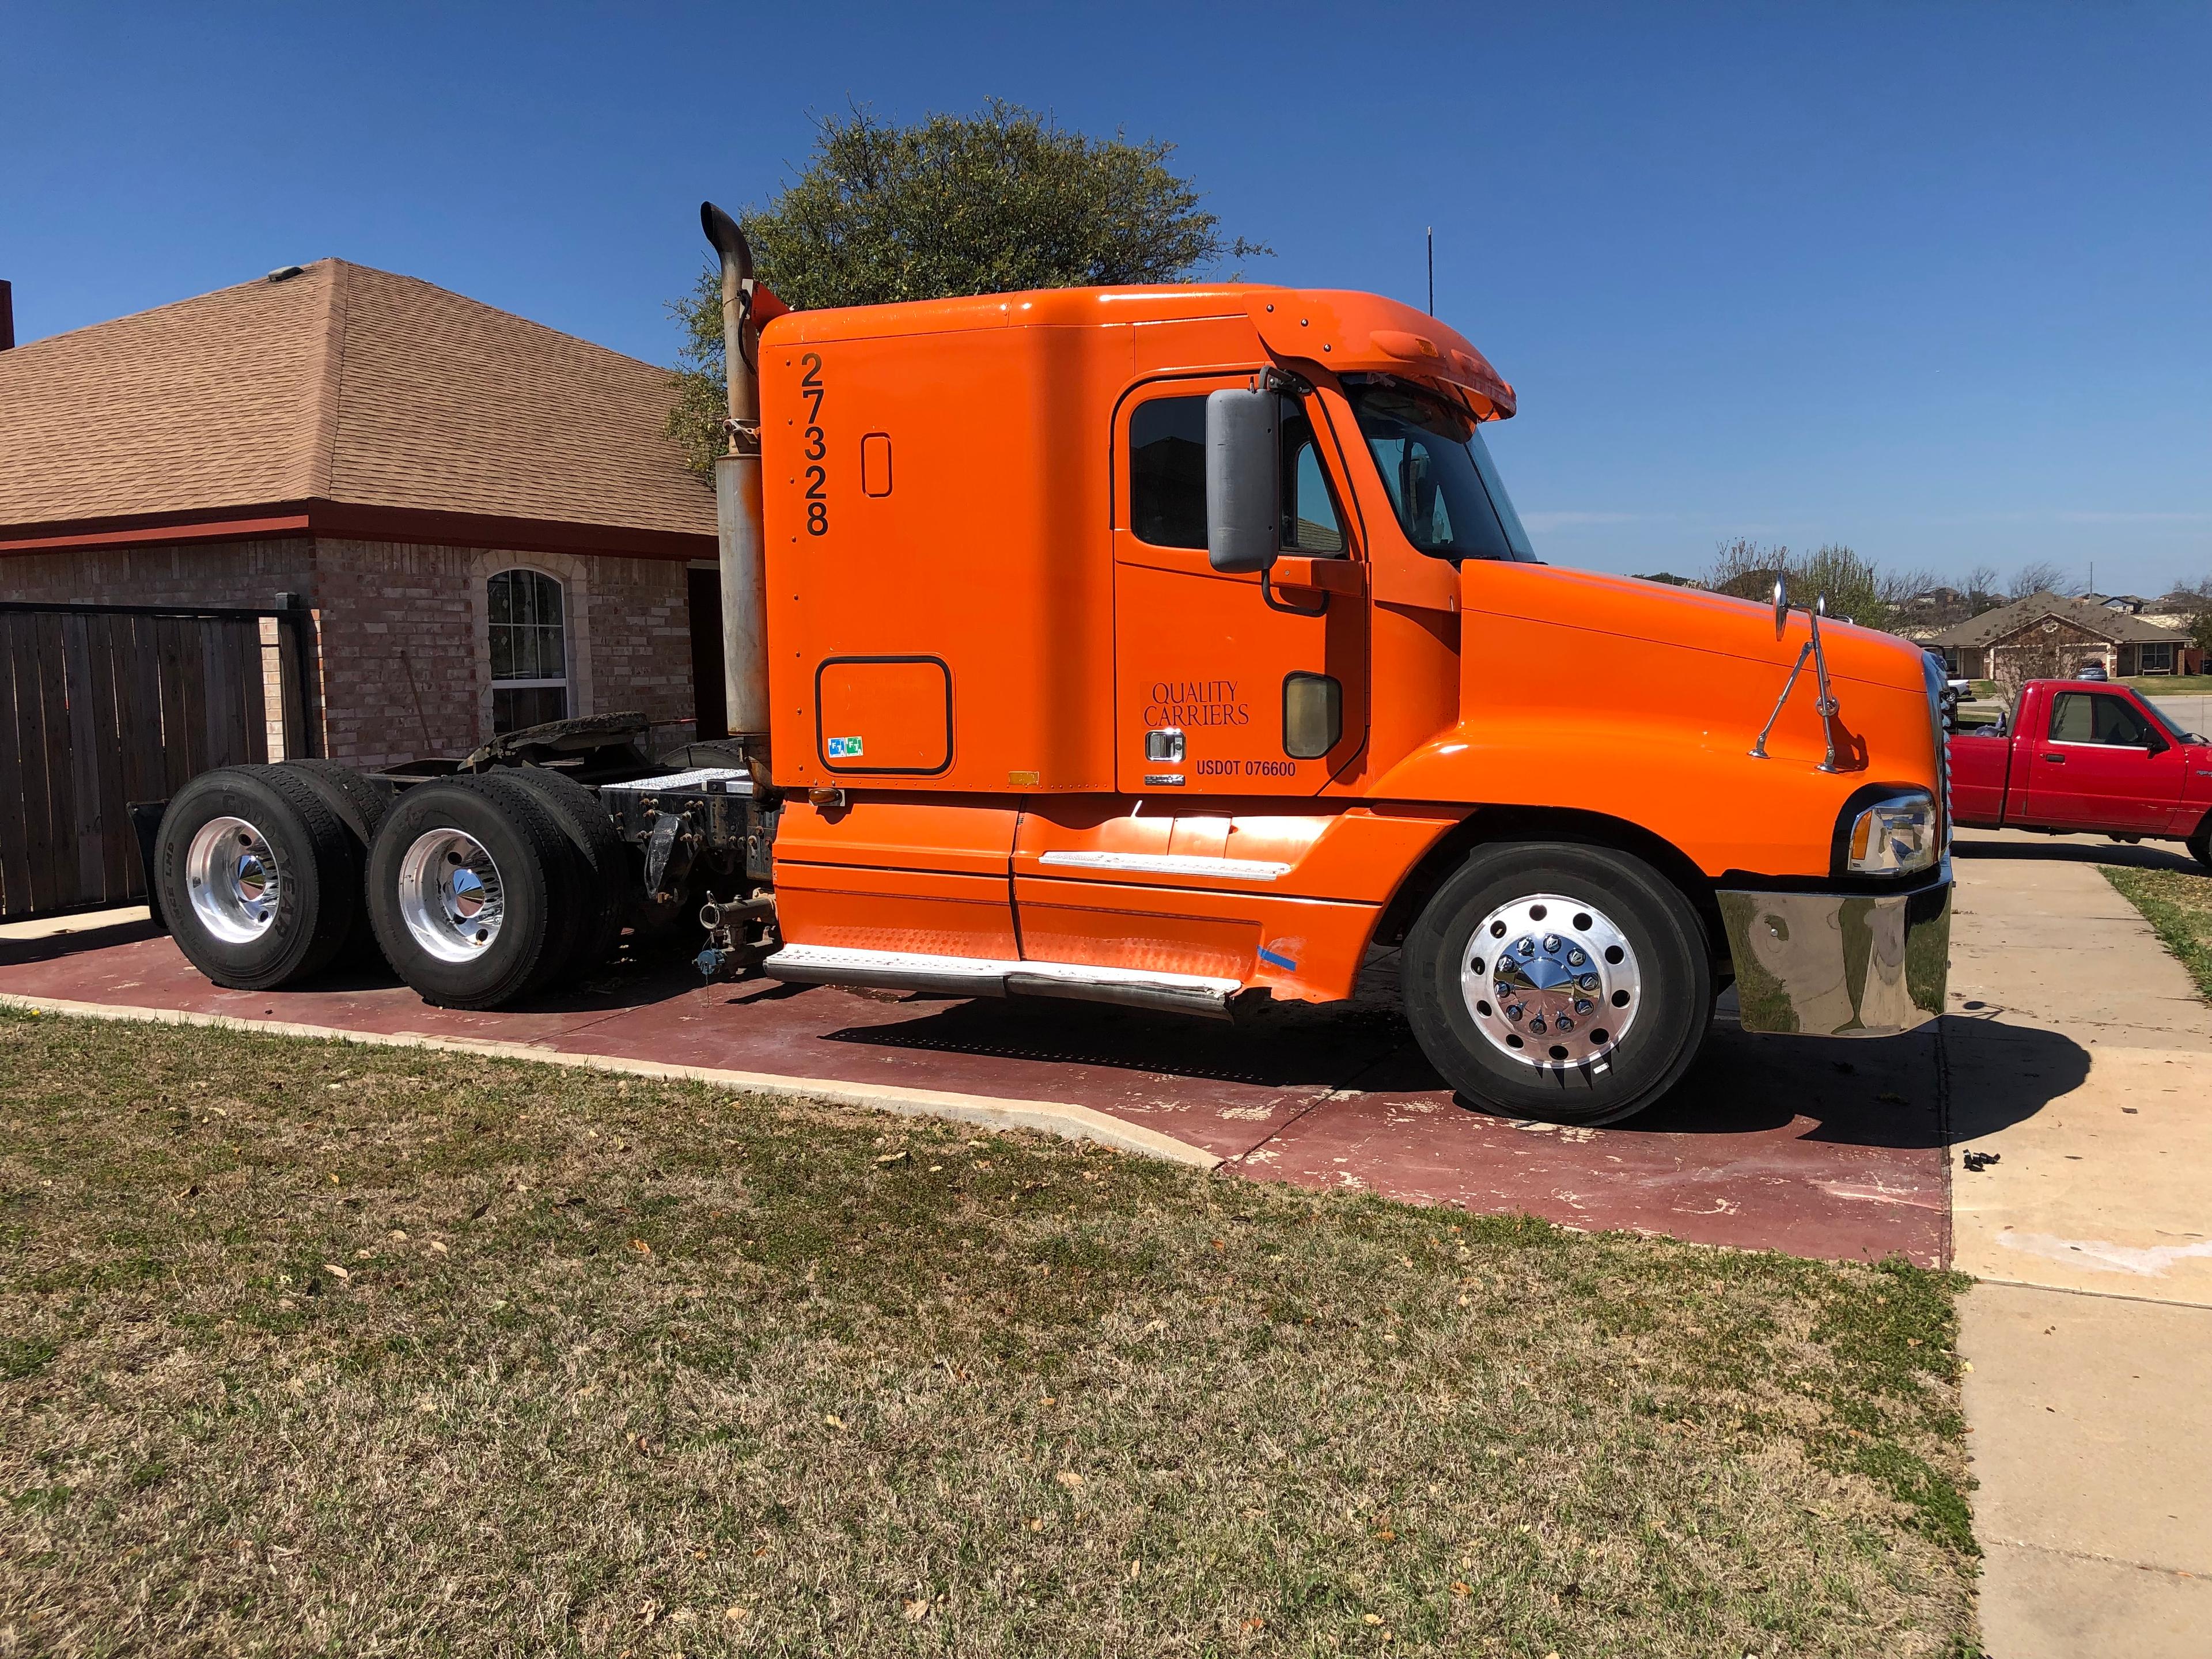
(1824, 703)
(1758, 744)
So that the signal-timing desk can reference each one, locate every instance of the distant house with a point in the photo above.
(2049, 635)
(1933, 609)
(486, 519)
(2178, 610)
(1670, 578)
(1935, 599)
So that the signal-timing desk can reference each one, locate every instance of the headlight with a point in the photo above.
(1895, 837)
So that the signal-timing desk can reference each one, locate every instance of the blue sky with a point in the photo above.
(1932, 280)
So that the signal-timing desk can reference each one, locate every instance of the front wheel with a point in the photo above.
(2200, 844)
(1561, 982)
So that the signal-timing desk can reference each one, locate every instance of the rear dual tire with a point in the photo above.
(259, 877)
(1561, 982)
(607, 882)
(477, 894)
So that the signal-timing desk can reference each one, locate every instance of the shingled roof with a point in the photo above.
(1991, 626)
(339, 387)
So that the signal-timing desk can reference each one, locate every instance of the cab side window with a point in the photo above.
(1310, 524)
(1167, 478)
(2088, 717)
(1167, 471)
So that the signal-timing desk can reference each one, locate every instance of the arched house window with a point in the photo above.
(529, 650)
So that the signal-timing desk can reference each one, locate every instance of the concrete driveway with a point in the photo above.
(1816, 1148)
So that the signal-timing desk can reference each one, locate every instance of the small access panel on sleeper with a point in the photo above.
(884, 716)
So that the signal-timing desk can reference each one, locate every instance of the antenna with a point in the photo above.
(1432, 270)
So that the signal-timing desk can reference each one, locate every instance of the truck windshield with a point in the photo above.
(1444, 486)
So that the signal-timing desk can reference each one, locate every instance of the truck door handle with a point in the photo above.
(2055, 760)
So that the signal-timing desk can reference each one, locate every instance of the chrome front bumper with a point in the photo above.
(1835, 965)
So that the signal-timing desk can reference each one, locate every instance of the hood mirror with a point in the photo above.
(1824, 704)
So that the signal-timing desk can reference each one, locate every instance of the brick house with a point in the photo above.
(2047, 635)
(484, 517)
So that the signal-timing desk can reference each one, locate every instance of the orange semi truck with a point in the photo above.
(1169, 647)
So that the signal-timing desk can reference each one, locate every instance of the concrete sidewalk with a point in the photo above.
(2091, 1334)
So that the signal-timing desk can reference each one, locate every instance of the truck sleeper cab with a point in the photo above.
(1174, 646)
(1065, 703)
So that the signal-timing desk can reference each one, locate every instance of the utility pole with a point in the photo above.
(1432, 270)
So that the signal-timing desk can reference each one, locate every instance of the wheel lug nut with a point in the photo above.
(1536, 1025)
(1581, 1007)
(1564, 1024)
(1589, 981)
(1576, 958)
(1551, 941)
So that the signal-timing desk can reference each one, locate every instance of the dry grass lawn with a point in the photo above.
(306, 1347)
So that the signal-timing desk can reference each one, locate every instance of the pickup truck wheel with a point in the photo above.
(258, 879)
(475, 892)
(1561, 982)
(2200, 844)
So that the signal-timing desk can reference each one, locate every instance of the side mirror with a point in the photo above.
(1781, 605)
(1244, 479)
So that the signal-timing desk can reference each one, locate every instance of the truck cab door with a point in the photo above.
(2100, 764)
(1230, 684)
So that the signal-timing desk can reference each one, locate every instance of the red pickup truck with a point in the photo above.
(2080, 755)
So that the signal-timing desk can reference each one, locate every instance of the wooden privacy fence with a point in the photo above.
(104, 707)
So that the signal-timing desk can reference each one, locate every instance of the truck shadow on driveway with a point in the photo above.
(1889, 1093)
(1276, 1048)
(2145, 856)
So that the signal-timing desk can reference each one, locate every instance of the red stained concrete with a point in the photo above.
(1816, 1148)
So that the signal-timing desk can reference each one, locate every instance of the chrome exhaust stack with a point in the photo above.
(737, 500)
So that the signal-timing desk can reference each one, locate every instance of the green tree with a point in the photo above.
(2197, 608)
(1858, 590)
(991, 203)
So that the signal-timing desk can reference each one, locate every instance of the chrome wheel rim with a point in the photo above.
(231, 874)
(451, 896)
(1551, 982)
